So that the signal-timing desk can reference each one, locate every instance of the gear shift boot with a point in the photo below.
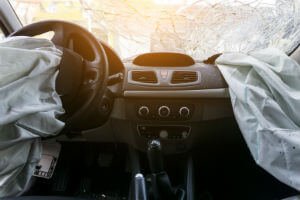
(161, 185)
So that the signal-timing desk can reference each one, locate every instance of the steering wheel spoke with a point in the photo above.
(61, 36)
(91, 73)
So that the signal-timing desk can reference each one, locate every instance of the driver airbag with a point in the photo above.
(29, 106)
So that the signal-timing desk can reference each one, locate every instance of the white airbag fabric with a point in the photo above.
(28, 107)
(265, 94)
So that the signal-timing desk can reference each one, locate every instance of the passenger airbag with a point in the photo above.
(264, 88)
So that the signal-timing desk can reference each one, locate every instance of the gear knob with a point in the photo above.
(155, 156)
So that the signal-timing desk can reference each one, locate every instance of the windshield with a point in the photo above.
(199, 28)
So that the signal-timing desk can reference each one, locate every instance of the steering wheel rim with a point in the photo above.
(95, 85)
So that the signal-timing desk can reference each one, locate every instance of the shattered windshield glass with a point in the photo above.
(199, 28)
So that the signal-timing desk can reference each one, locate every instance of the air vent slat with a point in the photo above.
(144, 76)
(179, 77)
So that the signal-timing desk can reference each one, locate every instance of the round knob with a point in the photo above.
(184, 111)
(143, 111)
(164, 111)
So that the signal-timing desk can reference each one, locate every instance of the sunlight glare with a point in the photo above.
(169, 2)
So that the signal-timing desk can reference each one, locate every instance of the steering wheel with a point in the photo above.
(83, 72)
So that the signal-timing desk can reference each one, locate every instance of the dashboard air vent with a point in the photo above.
(180, 77)
(144, 76)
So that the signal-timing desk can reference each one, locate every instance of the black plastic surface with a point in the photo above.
(164, 59)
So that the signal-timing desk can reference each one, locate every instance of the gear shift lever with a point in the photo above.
(161, 185)
(155, 157)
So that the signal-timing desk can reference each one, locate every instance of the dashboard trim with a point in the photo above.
(206, 93)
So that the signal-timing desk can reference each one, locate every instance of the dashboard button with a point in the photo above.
(184, 134)
(143, 111)
(163, 134)
(164, 111)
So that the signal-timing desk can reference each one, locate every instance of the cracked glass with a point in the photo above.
(199, 28)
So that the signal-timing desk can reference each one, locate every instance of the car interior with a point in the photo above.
(158, 125)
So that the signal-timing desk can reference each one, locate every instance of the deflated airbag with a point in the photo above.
(264, 88)
(29, 106)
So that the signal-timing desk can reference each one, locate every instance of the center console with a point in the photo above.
(172, 99)
(164, 112)
(166, 96)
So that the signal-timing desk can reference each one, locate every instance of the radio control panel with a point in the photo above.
(168, 112)
(164, 132)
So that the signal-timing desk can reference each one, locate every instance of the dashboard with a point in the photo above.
(167, 96)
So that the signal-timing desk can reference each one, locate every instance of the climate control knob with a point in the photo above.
(184, 112)
(143, 111)
(164, 111)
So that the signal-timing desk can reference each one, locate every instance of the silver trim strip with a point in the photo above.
(206, 93)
